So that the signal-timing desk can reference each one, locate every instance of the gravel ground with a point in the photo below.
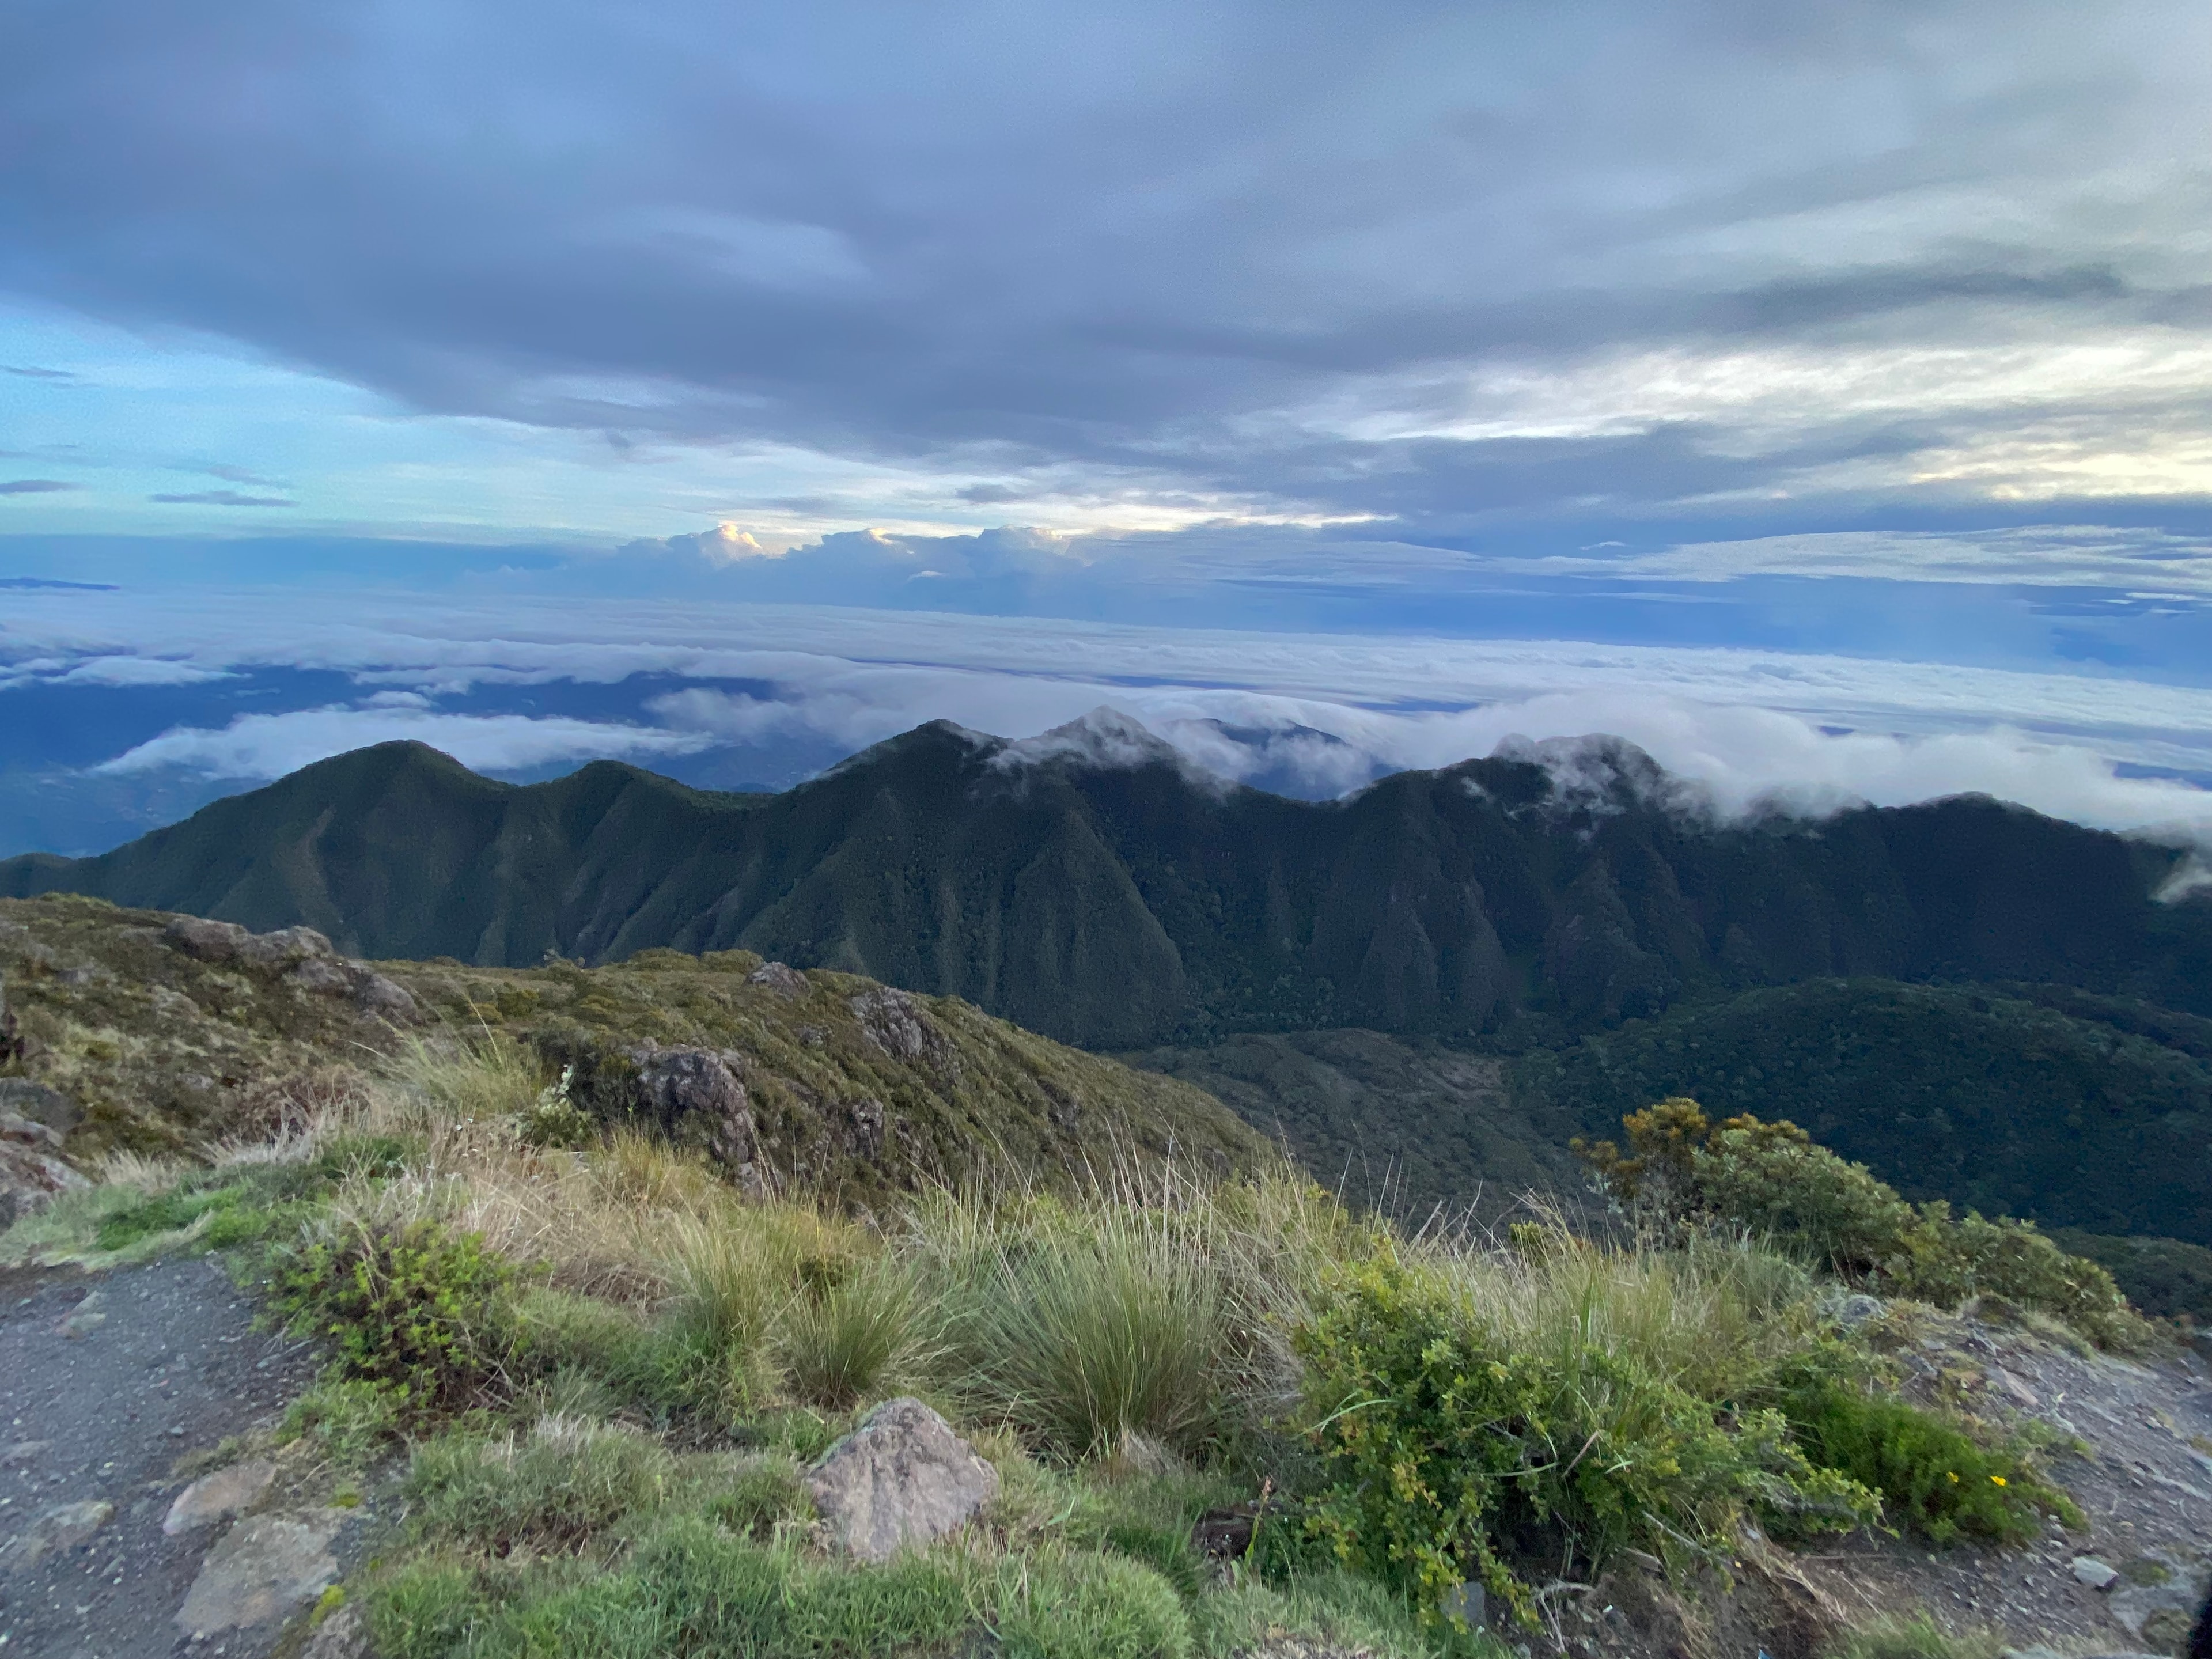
(170, 1365)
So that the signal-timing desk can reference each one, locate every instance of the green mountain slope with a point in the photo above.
(1086, 885)
(1984, 1098)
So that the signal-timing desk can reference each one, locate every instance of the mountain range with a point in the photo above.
(1425, 987)
(1092, 885)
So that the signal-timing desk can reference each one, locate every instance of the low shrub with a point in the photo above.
(1442, 1441)
(1932, 1476)
(411, 1306)
(1771, 1178)
(554, 1121)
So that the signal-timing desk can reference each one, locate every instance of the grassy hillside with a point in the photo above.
(850, 1089)
(1124, 905)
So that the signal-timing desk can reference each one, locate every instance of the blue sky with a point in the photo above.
(1819, 397)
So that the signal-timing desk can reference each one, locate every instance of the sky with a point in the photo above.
(1817, 396)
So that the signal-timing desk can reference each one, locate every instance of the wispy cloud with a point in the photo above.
(220, 498)
(33, 486)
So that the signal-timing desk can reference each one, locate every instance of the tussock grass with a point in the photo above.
(552, 1488)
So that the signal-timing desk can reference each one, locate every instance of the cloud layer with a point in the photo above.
(1152, 263)
(1315, 713)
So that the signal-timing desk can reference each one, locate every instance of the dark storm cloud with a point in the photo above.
(1144, 243)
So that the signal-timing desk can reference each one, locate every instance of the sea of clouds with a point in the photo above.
(1316, 714)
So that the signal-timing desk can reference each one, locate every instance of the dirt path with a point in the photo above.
(100, 1400)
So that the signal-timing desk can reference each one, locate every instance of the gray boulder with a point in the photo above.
(903, 1477)
(782, 978)
(20, 1097)
(219, 1496)
(263, 1570)
(204, 940)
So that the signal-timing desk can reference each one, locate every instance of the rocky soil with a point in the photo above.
(119, 1389)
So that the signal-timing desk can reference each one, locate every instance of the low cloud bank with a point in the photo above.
(1311, 715)
(259, 747)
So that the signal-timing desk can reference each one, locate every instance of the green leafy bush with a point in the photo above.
(415, 1307)
(1441, 1440)
(1932, 1476)
(1772, 1179)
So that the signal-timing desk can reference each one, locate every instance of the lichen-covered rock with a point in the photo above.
(903, 1477)
(21, 1098)
(284, 946)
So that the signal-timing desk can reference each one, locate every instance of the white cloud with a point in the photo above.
(259, 746)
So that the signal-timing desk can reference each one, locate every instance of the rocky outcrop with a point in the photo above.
(900, 1480)
(304, 957)
(61, 1527)
(897, 1023)
(31, 1168)
(782, 978)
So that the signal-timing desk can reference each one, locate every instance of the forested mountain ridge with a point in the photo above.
(1091, 886)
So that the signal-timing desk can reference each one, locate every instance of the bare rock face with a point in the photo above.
(781, 978)
(696, 1093)
(897, 1023)
(903, 1477)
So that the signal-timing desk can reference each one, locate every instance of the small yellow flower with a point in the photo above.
(1954, 1479)
(1999, 1479)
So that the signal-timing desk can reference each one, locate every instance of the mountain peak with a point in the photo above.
(1599, 775)
(1105, 739)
